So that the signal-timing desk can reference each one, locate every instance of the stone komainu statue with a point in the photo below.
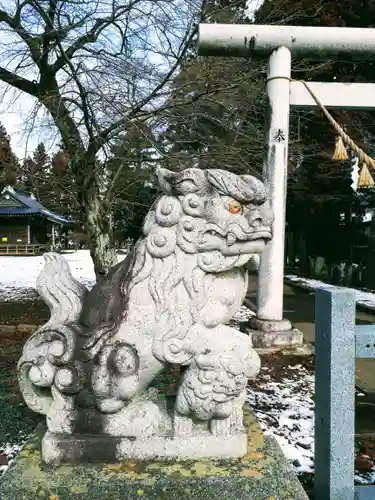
(89, 368)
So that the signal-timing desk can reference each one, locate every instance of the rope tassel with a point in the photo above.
(365, 179)
(340, 153)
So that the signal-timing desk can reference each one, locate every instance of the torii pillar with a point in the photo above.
(279, 43)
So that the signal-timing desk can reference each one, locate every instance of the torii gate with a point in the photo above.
(279, 43)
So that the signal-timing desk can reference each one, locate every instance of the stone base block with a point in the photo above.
(265, 325)
(263, 473)
(271, 334)
(58, 449)
(147, 429)
(291, 338)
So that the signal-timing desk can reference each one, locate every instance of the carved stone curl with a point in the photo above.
(90, 367)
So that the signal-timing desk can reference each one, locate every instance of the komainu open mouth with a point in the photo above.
(263, 234)
(232, 238)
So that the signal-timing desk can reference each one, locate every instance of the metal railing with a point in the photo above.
(18, 249)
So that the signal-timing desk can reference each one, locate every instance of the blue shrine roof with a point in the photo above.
(13, 203)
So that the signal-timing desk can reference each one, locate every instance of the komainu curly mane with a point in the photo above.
(169, 301)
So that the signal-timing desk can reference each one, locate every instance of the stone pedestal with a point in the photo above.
(270, 334)
(263, 473)
(147, 429)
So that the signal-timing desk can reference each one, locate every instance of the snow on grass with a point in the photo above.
(366, 299)
(16, 426)
(285, 409)
(18, 274)
(10, 451)
(365, 478)
(283, 405)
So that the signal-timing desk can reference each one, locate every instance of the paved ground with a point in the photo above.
(299, 308)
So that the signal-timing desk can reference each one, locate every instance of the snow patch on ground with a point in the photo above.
(242, 315)
(362, 298)
(18, 274)
(10, 451)
(365, 478)
(285, 409)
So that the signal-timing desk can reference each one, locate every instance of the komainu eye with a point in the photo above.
(235, 207)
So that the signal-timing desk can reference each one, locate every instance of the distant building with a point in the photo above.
(26, 227)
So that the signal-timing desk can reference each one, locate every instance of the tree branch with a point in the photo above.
(91, 36)
(102, 137)
(19, 82)
(176, 104)
(113, 183)
(48, 18)
(161, 153)
(33, 42)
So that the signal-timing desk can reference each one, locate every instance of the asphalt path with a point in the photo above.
(299, 308)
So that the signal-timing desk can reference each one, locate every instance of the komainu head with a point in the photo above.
(222, 217)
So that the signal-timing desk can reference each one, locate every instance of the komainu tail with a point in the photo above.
(63, 294)
(52, 346)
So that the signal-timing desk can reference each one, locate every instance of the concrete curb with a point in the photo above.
(304, 288)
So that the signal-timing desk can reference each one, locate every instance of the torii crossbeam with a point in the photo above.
(279, 43)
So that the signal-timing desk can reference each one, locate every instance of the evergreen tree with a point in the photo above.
(223, 127)
(50, 183)
(40, 156)
(63, 190)
(8, 160)
(35, 175)
(27, 180)
(129, 171)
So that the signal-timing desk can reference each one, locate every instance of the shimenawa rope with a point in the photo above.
(348, 141)
(362, 156)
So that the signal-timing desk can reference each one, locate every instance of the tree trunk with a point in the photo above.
(99, 231)
(94, 212)
(96, 219)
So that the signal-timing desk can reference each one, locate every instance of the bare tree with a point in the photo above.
(94, 67)
(225, 127)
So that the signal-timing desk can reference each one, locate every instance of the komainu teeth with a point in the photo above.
(230, 239)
